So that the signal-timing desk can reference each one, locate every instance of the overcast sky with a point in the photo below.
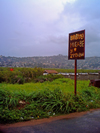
(41, 27)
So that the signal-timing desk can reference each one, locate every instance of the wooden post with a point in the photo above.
(75, 76)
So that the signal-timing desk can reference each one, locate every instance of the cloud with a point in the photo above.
(41, 27)
(59, 40)
(84, 15)
(88, 9)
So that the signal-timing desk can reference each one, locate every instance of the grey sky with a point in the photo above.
(41, 27)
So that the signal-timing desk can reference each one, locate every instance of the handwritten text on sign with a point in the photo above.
(77, 45)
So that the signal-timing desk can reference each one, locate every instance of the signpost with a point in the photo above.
(76, 49)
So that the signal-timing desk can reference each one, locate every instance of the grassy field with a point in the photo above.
(64, 84)
(72, 70)
(20, 102)
(26, 75)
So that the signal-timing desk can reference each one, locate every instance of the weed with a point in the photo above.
(39, 100)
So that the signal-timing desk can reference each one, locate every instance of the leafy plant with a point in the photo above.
(38, 100)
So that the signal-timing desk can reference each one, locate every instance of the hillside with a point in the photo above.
(58, 61)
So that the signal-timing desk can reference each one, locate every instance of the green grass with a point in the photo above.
(66, 85)
(26, 75)
(45, 99)
(72, 70)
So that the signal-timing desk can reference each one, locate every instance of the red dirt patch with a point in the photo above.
(47, 120)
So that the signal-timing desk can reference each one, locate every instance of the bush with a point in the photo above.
(47, 99)
(49, 77)
(19, 75)
(17, 79)
(37, 104)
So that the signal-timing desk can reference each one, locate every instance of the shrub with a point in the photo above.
(49, 77)
(19, 75)
(49, 98)
(18, 79)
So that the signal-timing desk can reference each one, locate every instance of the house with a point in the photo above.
(46, 72)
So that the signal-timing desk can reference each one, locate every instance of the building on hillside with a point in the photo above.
(46, 72)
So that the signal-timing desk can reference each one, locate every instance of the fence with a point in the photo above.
(82, 76)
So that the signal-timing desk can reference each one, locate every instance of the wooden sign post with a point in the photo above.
(76, 49)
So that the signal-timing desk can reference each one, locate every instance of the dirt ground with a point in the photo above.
(46, 120)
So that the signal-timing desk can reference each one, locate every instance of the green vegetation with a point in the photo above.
(26, 94)
(72, 70)
(20, 102)
(26, 75)
(19, 75)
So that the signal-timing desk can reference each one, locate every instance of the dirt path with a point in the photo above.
(46, 120)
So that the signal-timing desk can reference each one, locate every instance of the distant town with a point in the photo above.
(57, 61)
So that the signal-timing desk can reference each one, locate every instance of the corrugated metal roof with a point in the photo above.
(51, 71)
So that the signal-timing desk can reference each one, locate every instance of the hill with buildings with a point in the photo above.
(57, 61)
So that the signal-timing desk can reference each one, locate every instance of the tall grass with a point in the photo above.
(39, 100)
(64, 84)
(26, 75)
